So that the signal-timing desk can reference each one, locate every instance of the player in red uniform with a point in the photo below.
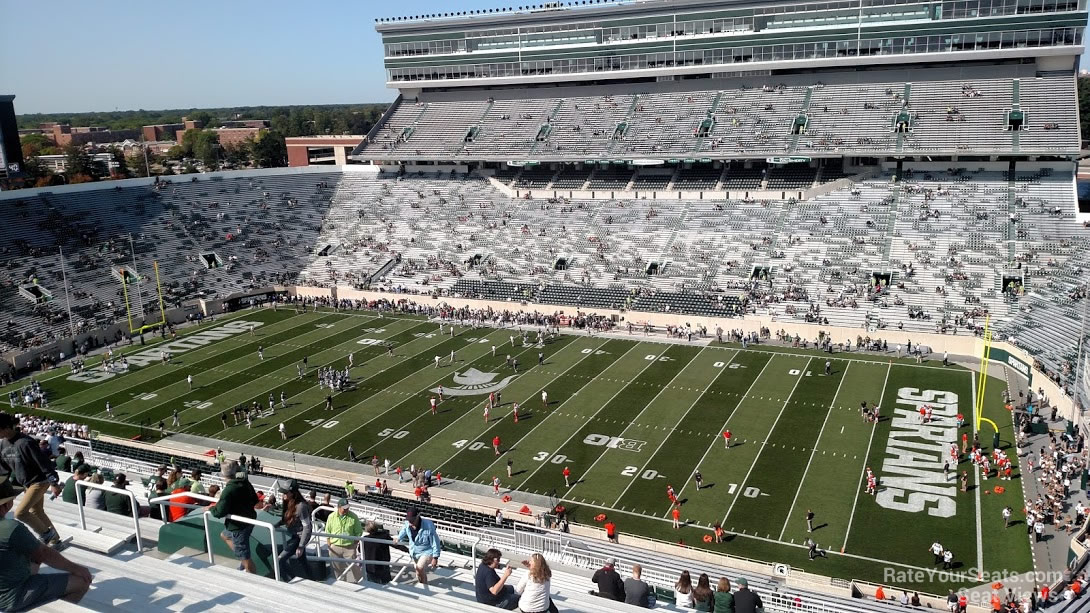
(433, 405)
(567, 476)
(670, 494)
(496, 444)
(726, 439)
(675, 513)
(515, 411)
(496, 485)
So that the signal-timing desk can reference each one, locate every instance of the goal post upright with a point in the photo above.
(125, 294)
(982, 377)
(159, 289)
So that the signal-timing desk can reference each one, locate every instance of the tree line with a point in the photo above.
(198, 148)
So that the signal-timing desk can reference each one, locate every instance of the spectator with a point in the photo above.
(69, 493)
(25, 465)
(535, 587)
(683, 591)
(159, 489)
(724, 600)
(490, 587)
(344, 522)
(21, 587)
(423, 543)
(636, 590)
(296, 518)
(378, 552)
(197, 486)
(62, 461)
(94, 498)
(703, 598)
(746, 601)
(323, 514)
(77, 460)
(237, 498)
(119, 503)
(608, 581)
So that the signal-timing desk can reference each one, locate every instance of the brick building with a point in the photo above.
(321, 150)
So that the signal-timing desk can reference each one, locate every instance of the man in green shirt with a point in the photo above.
(63, 461)
(21, 553)
(68, 494)
(347, 523)
(237, 498)
(119, 503)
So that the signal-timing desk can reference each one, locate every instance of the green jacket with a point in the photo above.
(68, 494)
(236, 498)
(347, 524)
(724, 602)
(118, 503)
(64, 463)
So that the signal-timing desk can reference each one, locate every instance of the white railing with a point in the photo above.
(275, 555)
(451, 532)
(135, 506)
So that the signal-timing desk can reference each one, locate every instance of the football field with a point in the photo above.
(627, 416)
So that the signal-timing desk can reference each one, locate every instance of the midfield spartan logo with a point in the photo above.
(475, 383)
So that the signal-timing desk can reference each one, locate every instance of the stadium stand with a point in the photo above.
(899, 168)
(130, 577)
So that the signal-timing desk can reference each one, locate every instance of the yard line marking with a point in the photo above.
(427, 386)
(490, 426)
(225, 345)
(766, 539)
(637, 417)
(473, 404)
(337, 348)
(680, 421)
(715, 439)
(603, 405)
(770, 431)
(324, 335)
(130, 349)
(976, 480)
(791, 511)
(379, 372)
(863, 471)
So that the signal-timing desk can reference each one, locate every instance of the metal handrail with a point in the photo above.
(402, 566)
(168, 501)
(246, 520)
(134, 506)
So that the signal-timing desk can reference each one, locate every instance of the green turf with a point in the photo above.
(628, 417)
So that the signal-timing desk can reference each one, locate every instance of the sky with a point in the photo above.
(103, 55)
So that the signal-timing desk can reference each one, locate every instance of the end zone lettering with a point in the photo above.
(911, 475)
(193, 341)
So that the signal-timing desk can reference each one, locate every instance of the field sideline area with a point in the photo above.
(628, 416)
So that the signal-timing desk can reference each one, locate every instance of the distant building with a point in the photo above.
(64, 135)
(160, 131)
(231, 138)
(59, 163)
(321, 150)
(11, 153)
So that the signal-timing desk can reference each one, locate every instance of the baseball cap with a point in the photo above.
(412, 515)
(83, 469)
(611, 562)
(288, 486)
(8, 491)
(741, 582)
(342, 502)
